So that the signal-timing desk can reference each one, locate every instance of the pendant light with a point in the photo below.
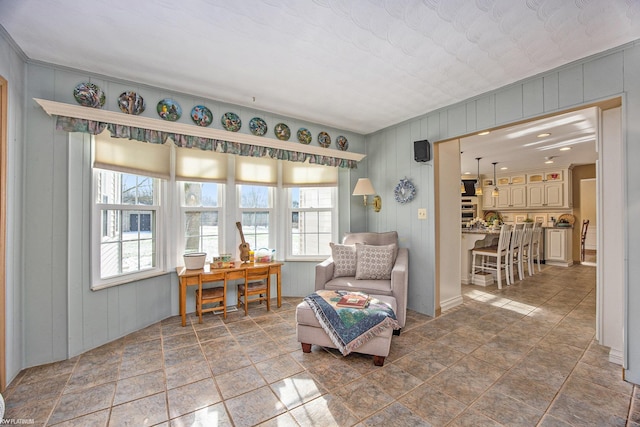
(495, 192)
(478, 185)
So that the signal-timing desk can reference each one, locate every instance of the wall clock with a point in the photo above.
(404, 191)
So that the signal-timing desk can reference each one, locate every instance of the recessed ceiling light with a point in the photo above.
(549, 162)
(542, 135)
(486, 132)
(504, 168)
(565, 149)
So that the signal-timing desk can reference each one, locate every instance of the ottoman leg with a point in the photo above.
(306, 348)
(378, 360)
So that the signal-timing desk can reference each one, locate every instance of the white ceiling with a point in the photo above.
(358, 65)
(520, 148)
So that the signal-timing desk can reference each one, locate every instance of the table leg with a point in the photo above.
(279, 288)
(183, 300)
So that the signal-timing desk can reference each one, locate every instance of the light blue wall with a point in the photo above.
(64, 316)
(12, 69)
(602, 76)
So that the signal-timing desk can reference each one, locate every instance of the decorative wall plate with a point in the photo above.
(89, 95)
(201, 115)
(257, 126)
(404, 191)
(282, 131)
(169, 109)
(131, 103)
(304, 136)
(231, 122)
(324, 139)
(342, 143)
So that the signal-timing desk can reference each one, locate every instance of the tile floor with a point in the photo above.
(523, 356)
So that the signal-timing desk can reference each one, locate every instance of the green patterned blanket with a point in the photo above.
(349, 328)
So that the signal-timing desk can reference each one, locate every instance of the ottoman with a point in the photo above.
(309, 331)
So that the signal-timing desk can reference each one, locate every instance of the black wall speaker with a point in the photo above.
(422, 151)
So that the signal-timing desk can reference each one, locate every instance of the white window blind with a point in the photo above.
(193, 164)
(297, 174)
(128, 156)
(256, 170)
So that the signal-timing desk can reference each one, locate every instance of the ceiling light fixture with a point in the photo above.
(477, 184)
(565, 149)
(549, 160)
(496, 191)
(543, 135)
(504, 168)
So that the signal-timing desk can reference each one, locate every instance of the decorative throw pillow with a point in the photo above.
(344, 259)
(374, 262)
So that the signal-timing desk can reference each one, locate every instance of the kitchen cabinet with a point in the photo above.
(512, 197)
(546, 195)
(558, 247)
(511, 180)
(535, 190)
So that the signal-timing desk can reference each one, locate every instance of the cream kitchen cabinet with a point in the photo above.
(557, 247)
(512, 197)
(546, 195)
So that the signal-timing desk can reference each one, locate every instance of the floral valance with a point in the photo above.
(73, 124)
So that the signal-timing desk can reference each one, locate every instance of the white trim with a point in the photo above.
(77, 111)
(451, 303)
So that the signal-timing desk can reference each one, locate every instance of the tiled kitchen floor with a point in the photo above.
(522, 356)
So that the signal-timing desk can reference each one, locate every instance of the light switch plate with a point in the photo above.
(422, 213)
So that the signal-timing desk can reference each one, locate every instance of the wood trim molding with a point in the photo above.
(77, 111)
(3, 229)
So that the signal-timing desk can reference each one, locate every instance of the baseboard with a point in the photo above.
(451, 302)
(616, 356)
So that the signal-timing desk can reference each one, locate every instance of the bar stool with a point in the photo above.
(514, 251)
(499, 252)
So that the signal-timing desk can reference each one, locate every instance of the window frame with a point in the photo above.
(271, 211)
(289, 209)
(220, 209)
(97, 209)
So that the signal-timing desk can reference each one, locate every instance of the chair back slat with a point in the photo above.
(505, 238)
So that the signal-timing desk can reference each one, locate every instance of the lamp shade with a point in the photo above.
(363, 188)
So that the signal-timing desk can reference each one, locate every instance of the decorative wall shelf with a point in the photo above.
(95, 114)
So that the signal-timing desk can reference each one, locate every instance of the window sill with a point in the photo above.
(129, 279)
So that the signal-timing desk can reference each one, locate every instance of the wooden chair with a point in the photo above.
(216, 295)
(583, 237)
(533, 252)
(499, 252)
(523, 254)
(257, 283)
(515, 251)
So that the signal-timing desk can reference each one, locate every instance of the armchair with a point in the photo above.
(396, 286)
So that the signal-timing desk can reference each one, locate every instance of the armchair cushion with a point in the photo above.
(374, 262)
(344, 258)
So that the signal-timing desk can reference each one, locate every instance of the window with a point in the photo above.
(255, 204)
(201, 217)
(126, 226)
(312, 219)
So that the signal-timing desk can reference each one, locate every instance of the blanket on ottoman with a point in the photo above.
(349, 328)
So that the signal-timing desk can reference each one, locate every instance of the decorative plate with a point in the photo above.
(282, 131)
(231, 122)
(169, 109)
(324, 139)
(201, 115)
(404, 191)
(342, 143)
(89, 95)
(304, 136)
(257, 126)
(131, 103)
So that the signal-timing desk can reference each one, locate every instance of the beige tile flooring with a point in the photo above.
(522, 356)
